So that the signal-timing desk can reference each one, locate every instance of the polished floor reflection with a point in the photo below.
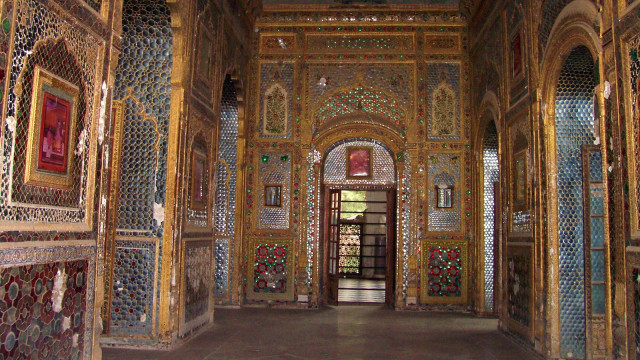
(343, 332)
(361, 291)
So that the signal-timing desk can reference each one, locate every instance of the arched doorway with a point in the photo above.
(358, 222)
(580, 245)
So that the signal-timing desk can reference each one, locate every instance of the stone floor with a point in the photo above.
(343, 332)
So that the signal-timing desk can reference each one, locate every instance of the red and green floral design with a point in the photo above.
(270, 268)
(445, 271)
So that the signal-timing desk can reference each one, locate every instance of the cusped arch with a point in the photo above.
(576, 13)
(574, 28)
(576, 32)
(352, 129)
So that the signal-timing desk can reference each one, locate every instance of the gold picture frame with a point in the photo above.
(520, 180)
(51, 138)
(359, 162)
(199, 180)
(204, 52)
(516, 45)
(272, 196)
(444, 196)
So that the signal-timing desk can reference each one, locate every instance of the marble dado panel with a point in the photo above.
(46, 297)
(44, 38)
(520, 289)
(196, 295)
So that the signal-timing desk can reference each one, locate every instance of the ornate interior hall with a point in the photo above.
(320, 179)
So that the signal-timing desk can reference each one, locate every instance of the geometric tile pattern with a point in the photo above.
(132, 290)
(221, 274)
(383, 166)
(227, 162)
(66, 51)
(43, 310)
(274, 169)
(574, 127)
(55, 58)
(396, 80)
(550, 11)
(444, 169)
(95, 4)
(445, 270)
(491, 175)
(143, 77)
(270, 268)
(360, 98)
(225, 196)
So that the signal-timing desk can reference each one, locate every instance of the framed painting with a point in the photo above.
(199, 183)
(205, 54)
(359, 164)
(273, 196)
(517, 66)
(444, 196)
(51, 140)
(520, 179)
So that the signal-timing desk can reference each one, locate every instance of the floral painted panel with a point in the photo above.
(445, 271)
(270, 268)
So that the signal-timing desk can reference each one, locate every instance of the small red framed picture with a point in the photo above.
(52, 131)
(54, 134)
(198, 179)
(359, 165)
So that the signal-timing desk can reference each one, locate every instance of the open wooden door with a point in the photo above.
(332, 238)
(390, 277)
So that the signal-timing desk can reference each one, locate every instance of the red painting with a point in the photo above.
(516, 54)
(359, 163)
(54, 134)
